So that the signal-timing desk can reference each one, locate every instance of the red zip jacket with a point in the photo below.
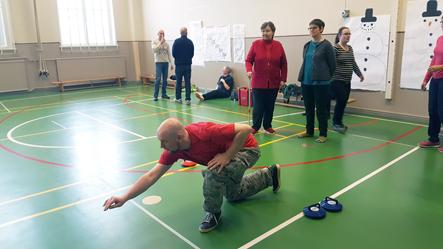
(270, 65)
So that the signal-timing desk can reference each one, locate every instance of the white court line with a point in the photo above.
(289, 114)
(111, 125)
(32, 216)
(164, 225)
(381, 140)
(344, 190)
(42, 192)
(156, 219)
(6, 108)
(59, 125)
(387, 120)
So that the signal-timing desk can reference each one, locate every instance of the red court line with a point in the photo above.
(355, 152)
(370, 122)
(318, 160)
(9, 150)
(33, 158)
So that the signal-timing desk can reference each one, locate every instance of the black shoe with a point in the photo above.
(166, 97)
(209, 222)
(155, 99)
(275, 174)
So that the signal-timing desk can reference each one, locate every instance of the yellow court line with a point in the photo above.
(48, 105)
(66, 186)
(43, 192)
(280, 139)
(185, 113)
(52, 210)
(142, 165)
(214, 108)
(56, 209)
(69, 94)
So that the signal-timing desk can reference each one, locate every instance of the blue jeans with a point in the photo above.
(161, 73)
(435, 107)
(183, 71)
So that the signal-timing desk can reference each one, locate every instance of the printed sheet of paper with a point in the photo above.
(238, 42)
(217, 43)
(195, 33)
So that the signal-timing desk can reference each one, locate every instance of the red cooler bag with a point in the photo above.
(243, 96)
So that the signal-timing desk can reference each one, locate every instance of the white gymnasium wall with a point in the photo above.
(291, 17)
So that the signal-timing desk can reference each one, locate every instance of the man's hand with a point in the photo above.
(362, 78)
(423, 85)
(219, 162)
(114, 202)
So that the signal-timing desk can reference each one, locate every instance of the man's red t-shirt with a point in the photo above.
(207, 140)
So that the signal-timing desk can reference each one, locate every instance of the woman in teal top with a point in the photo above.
(315, 76)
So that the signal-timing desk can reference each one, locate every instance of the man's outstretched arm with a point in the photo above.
(140, 186)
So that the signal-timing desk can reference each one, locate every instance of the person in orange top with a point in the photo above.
(267, 68)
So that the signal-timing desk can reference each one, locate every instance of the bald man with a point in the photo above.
(183, 51)
(227, 150)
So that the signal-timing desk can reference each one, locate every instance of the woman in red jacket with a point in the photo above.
(267, 66)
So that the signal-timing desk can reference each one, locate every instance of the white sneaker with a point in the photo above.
(188, 102)
(178, 101)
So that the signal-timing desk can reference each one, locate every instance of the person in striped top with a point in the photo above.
(341, 80)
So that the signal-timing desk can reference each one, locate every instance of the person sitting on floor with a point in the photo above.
(224, 87)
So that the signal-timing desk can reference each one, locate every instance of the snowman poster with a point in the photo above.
(422, 29)
(370, 42)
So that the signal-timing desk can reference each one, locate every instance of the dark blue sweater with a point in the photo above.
(183, 51)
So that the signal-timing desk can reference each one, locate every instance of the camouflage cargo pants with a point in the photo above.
(231, 181)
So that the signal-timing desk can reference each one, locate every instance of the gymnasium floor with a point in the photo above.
(62, 155)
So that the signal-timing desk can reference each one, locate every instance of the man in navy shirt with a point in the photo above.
(225, 84)
(183, 51)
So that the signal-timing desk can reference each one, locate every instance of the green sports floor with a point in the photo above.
(62, 155)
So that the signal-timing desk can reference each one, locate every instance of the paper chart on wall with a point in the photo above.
(217, 44)
(370, 42)
(422, 29)
(238, 42)
(195, 33)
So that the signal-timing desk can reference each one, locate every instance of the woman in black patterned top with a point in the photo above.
(341, 81)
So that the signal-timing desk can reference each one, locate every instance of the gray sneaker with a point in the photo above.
(339, 128)
(209, 222)
(275, 174)
(188, 102)
(178, 101)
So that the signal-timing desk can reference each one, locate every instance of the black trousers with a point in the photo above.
(316, 97)
(340, 91)
(216, 94)
(263, 102)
